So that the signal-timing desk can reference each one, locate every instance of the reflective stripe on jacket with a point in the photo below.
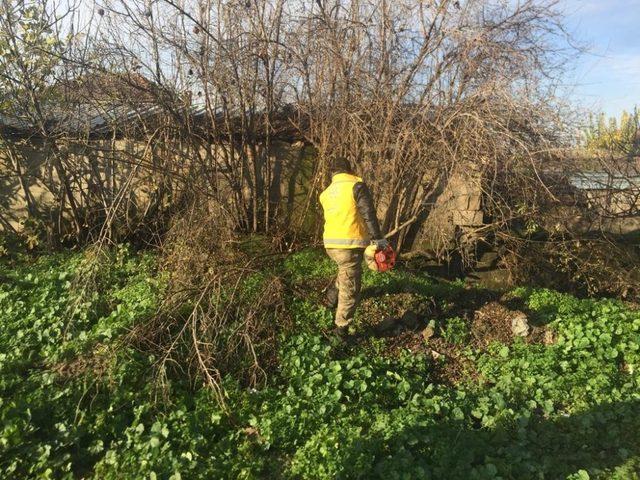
(343, 225)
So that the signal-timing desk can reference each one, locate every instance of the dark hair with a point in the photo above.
(341, 165)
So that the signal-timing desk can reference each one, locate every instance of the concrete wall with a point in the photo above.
(116, 164)
(611, 203)
(112, 163)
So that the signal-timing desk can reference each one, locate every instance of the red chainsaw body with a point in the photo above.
(385, 259)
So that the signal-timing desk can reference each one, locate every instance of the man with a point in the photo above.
(350, 224)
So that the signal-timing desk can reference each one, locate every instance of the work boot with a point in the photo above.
(340, 333)
(345, 336)
(331, 297)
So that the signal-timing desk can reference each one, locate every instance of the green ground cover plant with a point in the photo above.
(79, 401)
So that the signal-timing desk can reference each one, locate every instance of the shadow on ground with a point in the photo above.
(597, 440)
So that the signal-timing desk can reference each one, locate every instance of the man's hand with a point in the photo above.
(381, 243)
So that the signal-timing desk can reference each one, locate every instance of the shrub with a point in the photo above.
(220, 313)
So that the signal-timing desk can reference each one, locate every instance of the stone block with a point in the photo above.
(467, 217)
(520, 325)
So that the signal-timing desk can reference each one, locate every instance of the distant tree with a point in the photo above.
(29, 52)
(614, 135)
(37, 39)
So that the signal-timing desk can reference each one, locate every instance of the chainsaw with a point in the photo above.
(383, 260)
(380, 260)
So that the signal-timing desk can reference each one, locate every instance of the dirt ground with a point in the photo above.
(413, 322)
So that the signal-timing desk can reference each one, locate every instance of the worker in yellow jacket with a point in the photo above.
(350, 225)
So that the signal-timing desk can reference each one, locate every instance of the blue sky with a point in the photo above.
(607, 78)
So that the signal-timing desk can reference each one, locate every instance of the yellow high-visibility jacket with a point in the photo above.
(344, 227)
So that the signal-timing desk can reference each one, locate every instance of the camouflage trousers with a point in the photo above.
(348, 282)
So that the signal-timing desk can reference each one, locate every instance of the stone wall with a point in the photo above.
(456, 214)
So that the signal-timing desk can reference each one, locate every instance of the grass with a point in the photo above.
(78, 402)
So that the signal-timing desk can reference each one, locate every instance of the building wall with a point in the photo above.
(115, 164)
